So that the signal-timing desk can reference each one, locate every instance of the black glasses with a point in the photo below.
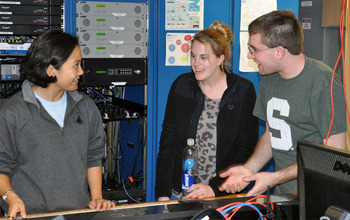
(253, 51)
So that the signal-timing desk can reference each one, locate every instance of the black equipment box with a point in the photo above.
(119, 196)
(30, 10)
(26, 29)
(114, 71)
(33, 2)
(30, 20)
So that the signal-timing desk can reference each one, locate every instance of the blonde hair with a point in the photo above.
(218, 36)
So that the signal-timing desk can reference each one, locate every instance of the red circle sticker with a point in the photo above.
(187, 37)
(185, 48)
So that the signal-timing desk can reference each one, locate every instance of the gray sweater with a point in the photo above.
(47, 165)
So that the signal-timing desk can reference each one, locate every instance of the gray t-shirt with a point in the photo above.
(299, 109)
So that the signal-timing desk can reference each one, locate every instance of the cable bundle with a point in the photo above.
(228, 211)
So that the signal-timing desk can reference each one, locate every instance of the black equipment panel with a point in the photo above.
(114, 71)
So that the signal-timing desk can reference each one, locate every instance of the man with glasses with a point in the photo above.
(295, 102)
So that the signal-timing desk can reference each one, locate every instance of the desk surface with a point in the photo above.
(174, 209)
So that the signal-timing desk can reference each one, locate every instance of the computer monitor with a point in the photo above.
(323, 179)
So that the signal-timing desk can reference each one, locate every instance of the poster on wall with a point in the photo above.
(251, 9)
(184, 14)
(245, 64)
(178, 47)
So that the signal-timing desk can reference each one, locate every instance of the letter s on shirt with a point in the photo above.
(284, 142)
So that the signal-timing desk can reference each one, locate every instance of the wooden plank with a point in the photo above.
(124, 206)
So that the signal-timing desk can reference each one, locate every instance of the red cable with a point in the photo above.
(131, 179)
(344, 86)
(341, 55)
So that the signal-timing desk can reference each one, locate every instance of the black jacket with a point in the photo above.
(237, 129)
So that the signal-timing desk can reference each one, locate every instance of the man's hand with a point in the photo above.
(235, 182)
(262, 181)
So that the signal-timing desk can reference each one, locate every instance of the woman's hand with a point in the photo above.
(16, 205)
(200, 191)
(163, 198)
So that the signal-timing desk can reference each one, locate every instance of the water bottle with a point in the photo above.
(189, 166)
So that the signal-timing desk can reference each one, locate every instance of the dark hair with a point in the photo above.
(53, 47)
(279, 28)
(218, 36)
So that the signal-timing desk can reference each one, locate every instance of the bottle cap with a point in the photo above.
(190, 141)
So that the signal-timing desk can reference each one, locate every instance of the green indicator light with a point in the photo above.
(100, 48)
(100, 6)
(100, 19)
(101, 34)
(101, 71)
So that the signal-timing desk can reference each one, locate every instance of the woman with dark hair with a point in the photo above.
(213, 106)
(51, 136)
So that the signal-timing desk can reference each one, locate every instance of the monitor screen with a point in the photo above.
(323, 179)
